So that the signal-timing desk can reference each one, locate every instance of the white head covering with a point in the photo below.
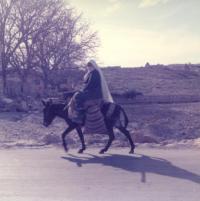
(104, 86)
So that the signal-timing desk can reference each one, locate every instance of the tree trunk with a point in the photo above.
(46, 83)
(23, 78)
(4, 74)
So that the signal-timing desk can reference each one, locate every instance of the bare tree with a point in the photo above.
(42, 35)
(33, 20)
(7, 32)
(69, 42)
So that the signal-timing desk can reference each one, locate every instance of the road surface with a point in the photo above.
(49, 174)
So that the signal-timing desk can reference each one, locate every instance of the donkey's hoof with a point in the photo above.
(81, 151)
(131, 151)
(66, 149)
(102, 151)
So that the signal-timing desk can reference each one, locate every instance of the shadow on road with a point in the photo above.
(141, 163)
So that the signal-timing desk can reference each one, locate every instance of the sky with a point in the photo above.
(133, 32)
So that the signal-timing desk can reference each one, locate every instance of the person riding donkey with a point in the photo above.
(95, 90)
(90, 111)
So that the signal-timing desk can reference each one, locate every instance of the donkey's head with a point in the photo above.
(48, 112)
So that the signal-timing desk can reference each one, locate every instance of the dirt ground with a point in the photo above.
(160, 124)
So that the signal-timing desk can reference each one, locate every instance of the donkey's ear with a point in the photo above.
(44, 102)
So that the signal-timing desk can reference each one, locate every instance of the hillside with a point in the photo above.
(164, 80)
(171, 80)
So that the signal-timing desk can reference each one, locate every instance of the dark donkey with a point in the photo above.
(52, 110)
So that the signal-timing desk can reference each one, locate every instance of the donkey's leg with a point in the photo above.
(111, 138)
(127, 134)
(70, 128)
(80, 133)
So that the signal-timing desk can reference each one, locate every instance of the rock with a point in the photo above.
(6, 104)
(5, 100)
(51, 139)
(10, 105)
(22, 106)
(142, 138)
(197, 142)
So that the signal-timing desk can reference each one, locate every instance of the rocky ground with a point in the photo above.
(158, 125)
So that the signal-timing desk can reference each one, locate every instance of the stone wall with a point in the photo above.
(62, 80)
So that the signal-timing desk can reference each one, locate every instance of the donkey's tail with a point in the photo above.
(125, 117)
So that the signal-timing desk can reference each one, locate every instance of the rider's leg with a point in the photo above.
(79, 100)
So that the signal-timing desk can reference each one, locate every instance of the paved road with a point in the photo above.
(51, 175)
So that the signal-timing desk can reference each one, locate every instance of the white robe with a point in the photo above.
(107, 97)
